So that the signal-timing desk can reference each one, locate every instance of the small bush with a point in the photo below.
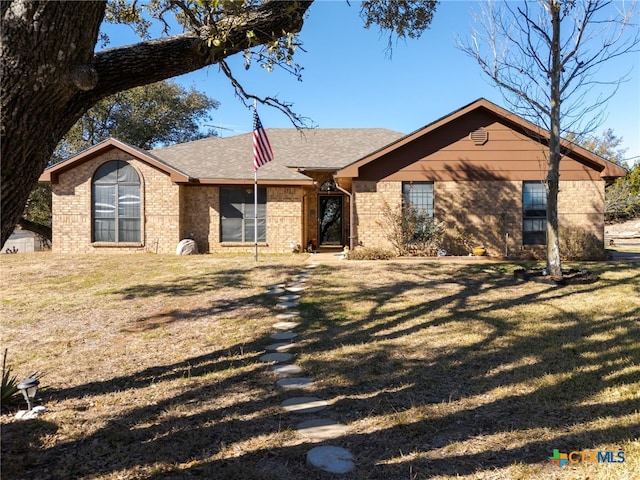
(10, 395)
(578, 244)
(411, 231)
(370, 253)
(457, 242)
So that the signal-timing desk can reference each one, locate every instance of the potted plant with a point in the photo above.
(479, 251)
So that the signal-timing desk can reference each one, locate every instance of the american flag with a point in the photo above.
(262, 152)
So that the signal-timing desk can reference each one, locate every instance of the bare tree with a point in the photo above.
(547, 58)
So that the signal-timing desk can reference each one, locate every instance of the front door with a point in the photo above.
(330, 221)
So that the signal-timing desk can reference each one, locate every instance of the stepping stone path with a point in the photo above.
(277, 357)
(285, 325)
(283, 336)
(320, 429)
(299, 382)
(304, 404)
(279, 347)
(329, 458)
(286, 370)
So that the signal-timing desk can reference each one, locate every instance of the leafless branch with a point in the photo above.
(246, 98)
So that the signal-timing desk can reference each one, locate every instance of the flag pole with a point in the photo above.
(255, 201)
(255, 213)
(262, 153)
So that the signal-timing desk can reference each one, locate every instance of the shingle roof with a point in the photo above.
(231, 158)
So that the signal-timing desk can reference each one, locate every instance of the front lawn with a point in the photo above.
(439, 370)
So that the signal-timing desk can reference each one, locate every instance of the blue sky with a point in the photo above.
(349, 81)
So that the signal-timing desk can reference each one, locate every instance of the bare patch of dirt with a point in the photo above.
(569, 277)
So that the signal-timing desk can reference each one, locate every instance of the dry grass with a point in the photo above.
(440, 370)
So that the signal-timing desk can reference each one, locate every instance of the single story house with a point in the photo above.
(480, 170)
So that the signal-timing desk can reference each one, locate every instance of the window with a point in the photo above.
(237, 221)
(116, 203)
(534, 213)
(419, 195)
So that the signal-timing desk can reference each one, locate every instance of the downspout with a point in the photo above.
(350, 195)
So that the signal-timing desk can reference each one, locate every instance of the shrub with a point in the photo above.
(10, 395)
(370, 253)
(578, 244)
(410, 231)
(457, 242)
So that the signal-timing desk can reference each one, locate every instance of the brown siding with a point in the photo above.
(449, 154)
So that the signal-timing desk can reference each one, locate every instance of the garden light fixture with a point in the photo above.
(29, 388)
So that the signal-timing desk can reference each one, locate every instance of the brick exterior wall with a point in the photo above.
(488, 213)
(71, 206)
(200, 214)
(369, 198)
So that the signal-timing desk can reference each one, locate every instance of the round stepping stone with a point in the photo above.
(311, 265)
(331, 459)
(277, 291)
(279, 347)
(286, 369)
(320, 429)
(285, 325)
(287, 315)
(283, 336)
(289, 298)
(296, 382)
(295, 288)
(285, 305)
(276, 357)
(276, 286)
(304, 404)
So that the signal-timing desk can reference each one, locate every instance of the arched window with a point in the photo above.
(116, 203)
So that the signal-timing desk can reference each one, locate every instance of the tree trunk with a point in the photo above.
(554, 266)
(51, 76)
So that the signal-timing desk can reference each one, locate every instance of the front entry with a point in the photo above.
(330, 231)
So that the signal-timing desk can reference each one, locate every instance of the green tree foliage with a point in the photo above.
(150, 116)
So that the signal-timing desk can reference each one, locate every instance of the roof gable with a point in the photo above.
(439, 134)
(51, 174)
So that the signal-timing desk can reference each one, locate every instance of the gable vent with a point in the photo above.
(479, 136)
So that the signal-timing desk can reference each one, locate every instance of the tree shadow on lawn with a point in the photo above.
(212, 281)
(432, 408)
